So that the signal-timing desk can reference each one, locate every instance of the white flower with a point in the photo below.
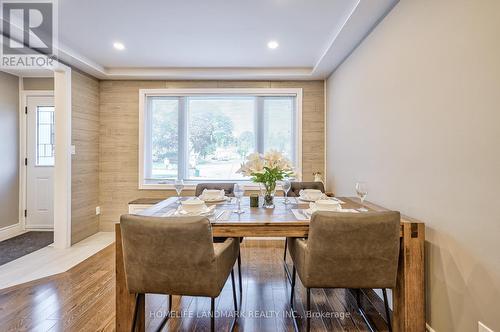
(273, 159)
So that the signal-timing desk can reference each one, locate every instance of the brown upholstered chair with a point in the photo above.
(295, 188)
(228, 187)
(175, 256)
(347, 250)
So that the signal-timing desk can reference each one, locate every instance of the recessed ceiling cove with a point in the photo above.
(214, 38)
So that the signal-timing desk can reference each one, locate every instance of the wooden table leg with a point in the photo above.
(409, 297)
(124, 300)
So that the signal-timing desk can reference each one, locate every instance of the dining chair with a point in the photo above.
(228, 189)
(176, 256)
(295, 188)
(347, 250)
(227, 186)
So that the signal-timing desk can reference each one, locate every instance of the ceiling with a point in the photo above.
(205, 39)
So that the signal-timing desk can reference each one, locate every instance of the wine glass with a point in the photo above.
(361, 191)
(239, 191)
(286, 187)
(179, 185)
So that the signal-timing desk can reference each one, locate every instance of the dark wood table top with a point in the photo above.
(280, 214)
(279, 221)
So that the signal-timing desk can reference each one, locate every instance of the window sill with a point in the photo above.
(192, 186)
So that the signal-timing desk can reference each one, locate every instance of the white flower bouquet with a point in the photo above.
(266, 170)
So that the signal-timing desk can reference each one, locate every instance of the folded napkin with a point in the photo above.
(349, 210)
(338, 200)
(209, 210)
(300, 214)
(169, 213)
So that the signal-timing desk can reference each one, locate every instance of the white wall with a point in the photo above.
(415, 112)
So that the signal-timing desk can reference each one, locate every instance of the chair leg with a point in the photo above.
(165, 319)
(361, 310)
(294, 273)
(308, 310)
(284, 255)
(358, 297)
(212, 315)
(136, 311)
(387, 314)
(234, 291)
(239, 273)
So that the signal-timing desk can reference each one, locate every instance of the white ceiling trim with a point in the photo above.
(359, 24)
(354, 29)
(209, 73)
(327, 51)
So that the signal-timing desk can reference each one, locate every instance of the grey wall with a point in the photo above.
(9, 147)
(415, 112)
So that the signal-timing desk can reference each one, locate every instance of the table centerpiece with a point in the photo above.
(266, 170)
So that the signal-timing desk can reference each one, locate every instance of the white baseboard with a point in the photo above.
(40, 228)
(428, 328)
(11, 231)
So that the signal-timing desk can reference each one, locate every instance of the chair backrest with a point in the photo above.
(353, 250)
(168, 255)
(296, 187)
(228, 188)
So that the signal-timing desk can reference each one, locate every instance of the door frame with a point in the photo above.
(62, 167)
(23, 152)
(63, 151)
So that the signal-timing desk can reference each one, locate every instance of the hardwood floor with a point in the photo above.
(83, 299)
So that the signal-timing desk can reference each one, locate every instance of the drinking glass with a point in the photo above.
(179, 185)
(239, 191)
(286, 188)
(361, 191)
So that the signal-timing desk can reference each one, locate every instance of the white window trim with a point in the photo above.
(144, 93)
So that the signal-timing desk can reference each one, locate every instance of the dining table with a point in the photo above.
(292, 220)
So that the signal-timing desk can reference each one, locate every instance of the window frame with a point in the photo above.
(258, 92)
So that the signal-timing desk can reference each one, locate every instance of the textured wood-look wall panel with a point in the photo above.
(119, 135)
(85, 163)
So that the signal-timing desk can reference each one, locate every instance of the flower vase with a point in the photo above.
(268, 191)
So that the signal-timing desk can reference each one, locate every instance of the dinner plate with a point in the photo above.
(218, 200)
(208, 211)
(303, 199)
(309, 212)
(323, 197)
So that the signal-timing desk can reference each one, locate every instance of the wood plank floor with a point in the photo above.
(82, 299)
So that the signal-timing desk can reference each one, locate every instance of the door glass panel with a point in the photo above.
(45, 136)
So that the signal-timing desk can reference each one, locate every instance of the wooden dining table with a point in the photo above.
(408, 296)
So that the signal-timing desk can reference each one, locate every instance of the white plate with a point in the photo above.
(324, 197)
(310, 211)
(218, 200)
(311, 200)
(208, 211)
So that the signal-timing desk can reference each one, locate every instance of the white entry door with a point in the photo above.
(40, 163)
